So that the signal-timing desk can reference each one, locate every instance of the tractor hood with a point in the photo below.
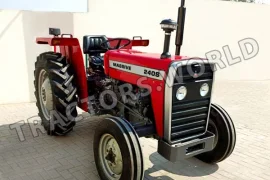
(145, 70)
(142, 59)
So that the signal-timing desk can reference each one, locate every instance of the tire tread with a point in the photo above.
(59, 73)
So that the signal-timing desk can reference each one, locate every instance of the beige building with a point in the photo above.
(210, 25)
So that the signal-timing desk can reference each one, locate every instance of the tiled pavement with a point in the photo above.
(71, 157)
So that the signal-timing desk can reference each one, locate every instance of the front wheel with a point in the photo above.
(220, 124)
(117, 151)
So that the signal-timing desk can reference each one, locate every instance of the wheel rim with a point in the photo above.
(213, 129)
(45, 94)
(110, 157)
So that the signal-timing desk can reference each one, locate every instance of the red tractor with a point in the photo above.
(165, 97)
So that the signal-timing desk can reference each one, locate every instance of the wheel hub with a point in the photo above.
(45, 94)
(110, 156)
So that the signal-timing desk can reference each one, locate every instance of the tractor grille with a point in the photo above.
(189, 117)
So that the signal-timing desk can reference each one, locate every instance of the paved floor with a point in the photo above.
(34, 156)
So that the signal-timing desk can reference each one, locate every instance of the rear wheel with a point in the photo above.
(117, 151)
(55, 92)
(220, 124)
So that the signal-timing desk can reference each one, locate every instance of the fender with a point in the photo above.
(70, 47)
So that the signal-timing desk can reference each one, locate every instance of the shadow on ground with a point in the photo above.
(186, 168)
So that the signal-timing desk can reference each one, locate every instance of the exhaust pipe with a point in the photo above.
(180, 27)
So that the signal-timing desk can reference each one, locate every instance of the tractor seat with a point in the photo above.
(91, 46)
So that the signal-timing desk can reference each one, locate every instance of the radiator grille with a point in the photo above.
(189, 116)
(189, 119)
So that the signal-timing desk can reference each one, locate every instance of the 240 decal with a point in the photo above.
(152, 73)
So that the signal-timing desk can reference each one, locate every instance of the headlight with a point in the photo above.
(204, 89)
(181, 93)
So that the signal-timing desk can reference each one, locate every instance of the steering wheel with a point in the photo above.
(106, 44)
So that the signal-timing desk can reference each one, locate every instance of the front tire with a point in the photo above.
(117, 151)
(221, 124)
(55, 92)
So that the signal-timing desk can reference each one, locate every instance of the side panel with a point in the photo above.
(130, 66)
(155, 86)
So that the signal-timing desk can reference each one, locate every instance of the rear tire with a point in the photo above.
(221, 124)
(55, 92)
(131, 153)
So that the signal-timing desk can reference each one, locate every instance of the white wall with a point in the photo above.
(36, 24)
(18, 30)
(210, 25)
(13, 67)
